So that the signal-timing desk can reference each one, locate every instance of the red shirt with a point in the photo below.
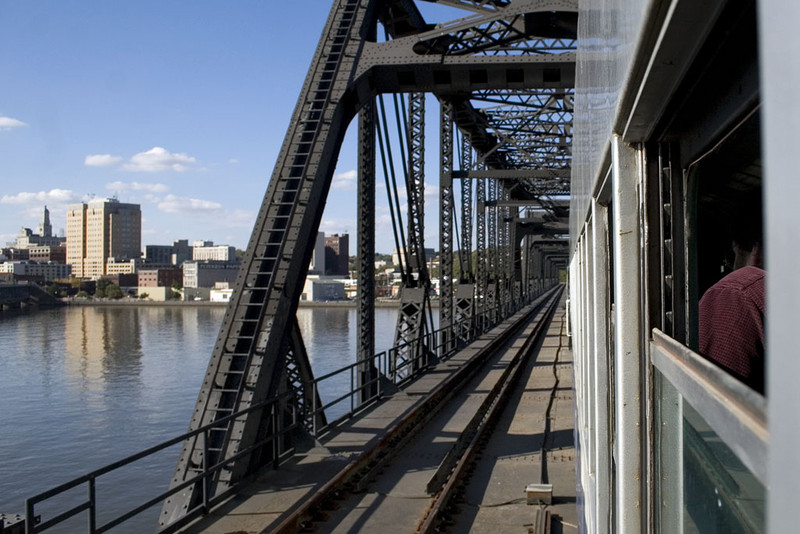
(732, 325)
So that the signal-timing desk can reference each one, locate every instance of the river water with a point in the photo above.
(81, 387)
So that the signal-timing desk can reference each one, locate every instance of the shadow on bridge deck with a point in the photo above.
(539, 417)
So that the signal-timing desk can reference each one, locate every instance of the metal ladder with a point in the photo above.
(259, 351)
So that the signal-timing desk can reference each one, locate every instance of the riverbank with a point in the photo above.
(205, 303)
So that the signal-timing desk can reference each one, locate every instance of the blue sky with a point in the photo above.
(178, 106)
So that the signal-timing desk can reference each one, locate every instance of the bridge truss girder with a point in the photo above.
(509, 92)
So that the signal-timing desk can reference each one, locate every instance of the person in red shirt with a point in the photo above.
(732, 311)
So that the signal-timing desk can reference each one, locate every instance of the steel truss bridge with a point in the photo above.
(503, 77)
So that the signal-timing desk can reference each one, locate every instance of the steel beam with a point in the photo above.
(446, 229)
(410, 354)
(367, 372)
(250, 356)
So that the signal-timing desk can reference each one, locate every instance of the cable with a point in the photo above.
(389, 191)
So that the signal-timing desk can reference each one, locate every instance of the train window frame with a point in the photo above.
(687, 382)
(733, 410)
(713, 109)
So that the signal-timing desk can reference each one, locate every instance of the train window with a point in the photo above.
(704, 486)
(710, 445)
(728, 236)
(718, 490)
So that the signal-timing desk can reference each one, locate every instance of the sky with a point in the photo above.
(180, 107)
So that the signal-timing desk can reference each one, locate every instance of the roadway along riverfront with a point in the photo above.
(456, 450)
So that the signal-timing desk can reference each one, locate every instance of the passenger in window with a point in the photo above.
(732, 310)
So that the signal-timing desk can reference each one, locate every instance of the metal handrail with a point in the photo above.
(30, 518)
(438, 348)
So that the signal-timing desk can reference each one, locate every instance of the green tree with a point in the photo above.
(53, 289)
(82, 294)
(113, 291)
(101, 286)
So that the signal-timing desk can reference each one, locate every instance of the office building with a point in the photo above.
(28, 270)
(27, 239)
(47, 253)
(207, 273)
(100, 230)
(206, 251)
(337, 255)
(317, 265)
(160, 277)
(175, 254)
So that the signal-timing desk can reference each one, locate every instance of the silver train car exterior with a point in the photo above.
(684, 110)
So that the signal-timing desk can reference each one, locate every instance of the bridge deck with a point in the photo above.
(493, 501)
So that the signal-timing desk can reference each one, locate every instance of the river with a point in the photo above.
(81, 387)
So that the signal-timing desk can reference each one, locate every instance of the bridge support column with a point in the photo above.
(367, 373)
(446, 230)
(480, 247)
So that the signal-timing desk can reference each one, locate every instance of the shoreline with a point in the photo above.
(209, 304)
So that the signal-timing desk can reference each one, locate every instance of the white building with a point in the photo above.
(49, 271)
(206, 274)
(210, 252)
(318, 289)
(430, 256)
(114, 266)
(222, 292)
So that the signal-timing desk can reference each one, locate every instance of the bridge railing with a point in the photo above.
(203, 478)
(433, 348)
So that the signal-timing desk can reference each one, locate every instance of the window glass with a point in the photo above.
(702, 487)
(720, 494)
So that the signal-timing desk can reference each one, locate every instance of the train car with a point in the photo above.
(685, 133)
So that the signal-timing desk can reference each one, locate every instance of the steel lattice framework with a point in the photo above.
(504, 76)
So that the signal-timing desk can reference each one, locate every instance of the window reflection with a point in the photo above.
(720, 494)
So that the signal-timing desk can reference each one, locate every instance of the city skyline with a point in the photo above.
(180, 111)
(31, 233)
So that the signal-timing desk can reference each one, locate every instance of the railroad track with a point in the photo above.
(412, 477)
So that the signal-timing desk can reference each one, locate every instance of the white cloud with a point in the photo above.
(188, 206)
(345, 180)
(101, 160)
(233, 160)
(29, 205)
(54, 196)
(238, 219)
(337, 226)
(6, 123)
(137, 186)
(159, 159)
(431, 191)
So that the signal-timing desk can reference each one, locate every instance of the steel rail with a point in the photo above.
(459, 462)
(357, 473)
